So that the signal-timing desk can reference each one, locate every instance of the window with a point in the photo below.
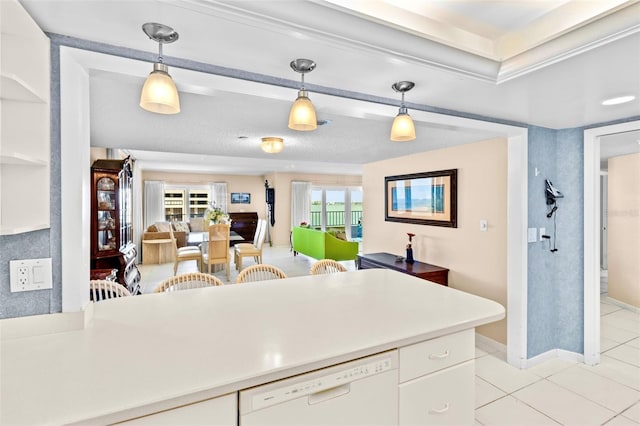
(183, 203)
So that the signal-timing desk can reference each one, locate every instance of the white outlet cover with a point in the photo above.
(21, 274)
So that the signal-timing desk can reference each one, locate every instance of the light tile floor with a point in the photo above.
(556, 392)
(563, 392)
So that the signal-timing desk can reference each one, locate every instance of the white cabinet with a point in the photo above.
(437, 381)
(222, 411)
(24, 122)
(445, 397)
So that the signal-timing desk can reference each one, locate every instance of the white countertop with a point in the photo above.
(191, 345)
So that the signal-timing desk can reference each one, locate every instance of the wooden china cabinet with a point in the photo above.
(112, 244)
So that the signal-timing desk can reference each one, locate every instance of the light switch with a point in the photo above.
(484, 225)
(542, 232)
(38, 274)
(532, 235)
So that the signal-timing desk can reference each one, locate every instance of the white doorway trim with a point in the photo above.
(592, 235)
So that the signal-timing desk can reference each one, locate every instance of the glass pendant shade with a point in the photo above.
(272, 145)
(302, 115)
(403, 129)
(159, 93)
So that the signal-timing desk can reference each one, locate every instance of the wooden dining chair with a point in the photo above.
(103, 289)
(187, 282)
(183, 254)
(251, 250)
(218, 247)
(260, 272)
(326, 266)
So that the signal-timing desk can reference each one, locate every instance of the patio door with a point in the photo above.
(337, 209)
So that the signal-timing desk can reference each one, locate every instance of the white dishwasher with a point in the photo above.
(360, 392)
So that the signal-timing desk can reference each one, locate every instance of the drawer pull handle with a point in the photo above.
(439, 356)
(441, 410)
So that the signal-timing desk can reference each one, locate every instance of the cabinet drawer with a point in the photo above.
(446, 397)
(436, 354)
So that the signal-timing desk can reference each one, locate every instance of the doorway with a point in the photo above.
(337, 209)
(592, 228)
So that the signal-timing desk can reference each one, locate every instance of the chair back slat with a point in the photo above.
(103, 289)
(261, 237)
(219, 235)
(187, 282)
(326, 266)
(260, 272)
(256, 235)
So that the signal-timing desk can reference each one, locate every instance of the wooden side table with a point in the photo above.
(157, 251)
(426, 271)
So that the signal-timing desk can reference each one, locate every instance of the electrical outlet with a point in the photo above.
(30, 274)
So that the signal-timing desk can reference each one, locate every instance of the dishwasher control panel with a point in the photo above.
(328, 378)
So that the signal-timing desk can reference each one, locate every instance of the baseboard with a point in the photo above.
(623, 305)
(562, 354)
(490, 343)
(553, 354)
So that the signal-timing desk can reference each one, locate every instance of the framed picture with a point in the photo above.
(428, 198)
(240, 198)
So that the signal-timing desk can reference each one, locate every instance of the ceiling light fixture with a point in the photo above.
(619, 100)
(303, 115)
(272, 144)
(159, 93)
(403, 129)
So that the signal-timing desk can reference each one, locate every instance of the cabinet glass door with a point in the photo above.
(106, 202)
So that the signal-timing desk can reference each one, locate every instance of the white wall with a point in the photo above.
(624, 229)
(477, 260)
(75, 186)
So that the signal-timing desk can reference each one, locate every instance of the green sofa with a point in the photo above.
(322, 245)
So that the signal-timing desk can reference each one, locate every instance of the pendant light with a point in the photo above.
(403, 129)
(159, 93)
(303, 115)
(272, 145)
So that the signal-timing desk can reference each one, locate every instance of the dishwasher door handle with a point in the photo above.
(330, 393)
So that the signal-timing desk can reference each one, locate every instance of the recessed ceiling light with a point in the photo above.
(618, 100)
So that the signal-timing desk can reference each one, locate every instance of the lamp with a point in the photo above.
(403, 129)
(272, 145)
(159, 93)
(303, 115)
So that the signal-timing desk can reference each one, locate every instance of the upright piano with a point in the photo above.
(244, 224)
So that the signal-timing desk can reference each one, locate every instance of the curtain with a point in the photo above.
(300, 203)
(153, 202)
(218, 195)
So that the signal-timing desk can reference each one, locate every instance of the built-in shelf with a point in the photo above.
(25, 115)
(17, 159)
(13, 88)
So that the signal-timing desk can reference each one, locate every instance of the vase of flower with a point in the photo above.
(216, 215)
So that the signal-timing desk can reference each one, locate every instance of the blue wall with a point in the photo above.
(555, 279)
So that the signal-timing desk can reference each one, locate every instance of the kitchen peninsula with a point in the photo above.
(183, 354)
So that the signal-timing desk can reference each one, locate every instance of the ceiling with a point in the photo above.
(496, 59)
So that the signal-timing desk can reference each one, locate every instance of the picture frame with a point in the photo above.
(428, 198)
(240, 198)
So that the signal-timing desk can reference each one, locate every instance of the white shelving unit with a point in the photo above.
(24, 122)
